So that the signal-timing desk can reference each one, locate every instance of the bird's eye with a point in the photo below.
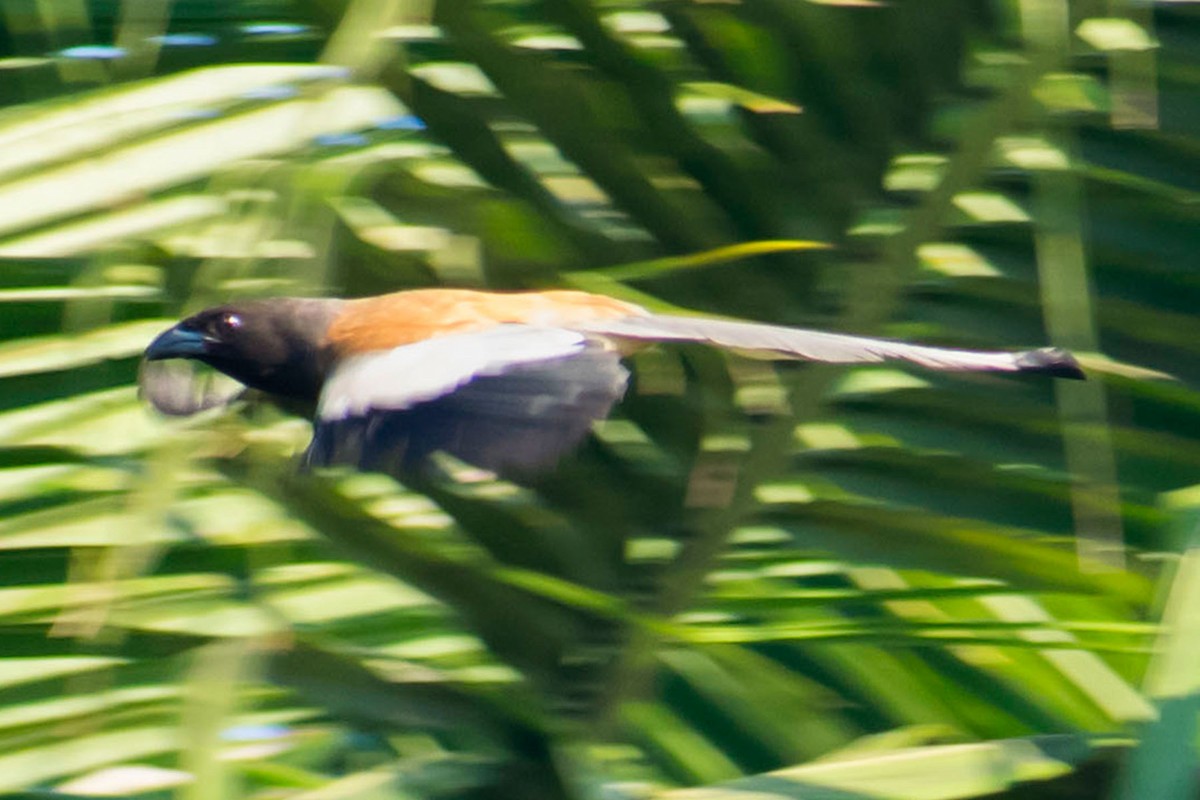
(227, 324)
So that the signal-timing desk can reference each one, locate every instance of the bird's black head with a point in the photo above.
(275, 345)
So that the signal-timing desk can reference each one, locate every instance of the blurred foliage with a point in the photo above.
(790, 582)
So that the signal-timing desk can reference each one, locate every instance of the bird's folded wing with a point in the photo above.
(512, 399)
(797, 343)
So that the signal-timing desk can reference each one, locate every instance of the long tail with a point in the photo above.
(835, 348)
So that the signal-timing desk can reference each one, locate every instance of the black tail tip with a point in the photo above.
(1051, 361)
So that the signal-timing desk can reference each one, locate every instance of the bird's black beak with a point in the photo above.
(177, 342)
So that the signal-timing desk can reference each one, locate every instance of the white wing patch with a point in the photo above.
(401, 378)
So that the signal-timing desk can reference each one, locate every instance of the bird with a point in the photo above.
(509, 382)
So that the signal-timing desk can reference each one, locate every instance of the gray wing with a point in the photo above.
(797, 343)
(512, 400)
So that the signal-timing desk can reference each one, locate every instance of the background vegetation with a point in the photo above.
(803, 582)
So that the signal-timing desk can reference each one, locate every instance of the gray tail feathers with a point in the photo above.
(797, 343)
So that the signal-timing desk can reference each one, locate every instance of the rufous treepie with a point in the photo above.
(506, 381)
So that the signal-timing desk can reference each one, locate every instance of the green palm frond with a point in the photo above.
(797, 582)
